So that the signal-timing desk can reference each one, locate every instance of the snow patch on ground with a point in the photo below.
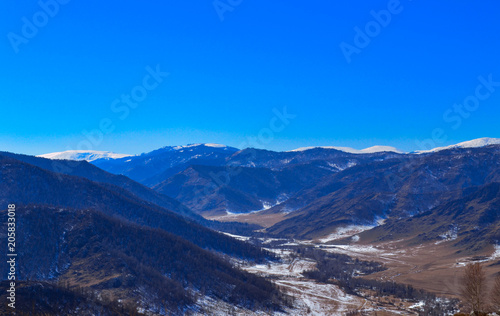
(344, 232)
(243, 238)
(338, 168)
(496, 254)
(347, 249)
(311, 297)
(292, 270)
(450, 235)
(418, 305)
(319, 299)
(265, 206)
(217, 307)
(351, 230)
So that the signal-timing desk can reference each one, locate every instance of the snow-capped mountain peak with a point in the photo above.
(370, 150)
(198, 145)
(79, 155)
(378, 149)
(475, 143)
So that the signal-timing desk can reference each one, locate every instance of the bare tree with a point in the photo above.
(473, 291)
(495, 294)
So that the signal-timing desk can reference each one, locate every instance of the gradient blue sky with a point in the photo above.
(225, 77)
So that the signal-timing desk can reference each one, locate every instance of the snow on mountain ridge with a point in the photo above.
(370, 150)
(475, 143)
(378, 149)
(197, 145)
(92, 155)
(79, 155)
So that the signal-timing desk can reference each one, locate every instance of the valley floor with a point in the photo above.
(434, 267)
(314, 298)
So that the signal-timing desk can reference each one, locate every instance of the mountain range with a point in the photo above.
(140, 229)
(81, 229)
(314, 190)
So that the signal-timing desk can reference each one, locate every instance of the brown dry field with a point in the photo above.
(434, 268)
(264, 220)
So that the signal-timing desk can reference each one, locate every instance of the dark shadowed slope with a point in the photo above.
(91, 172)
(470, 223)
(153, 167)
(216, 190)
(254, 179)
(390, 188)
(128, 262)
(24, 184)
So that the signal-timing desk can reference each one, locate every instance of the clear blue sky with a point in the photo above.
(226, 76)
